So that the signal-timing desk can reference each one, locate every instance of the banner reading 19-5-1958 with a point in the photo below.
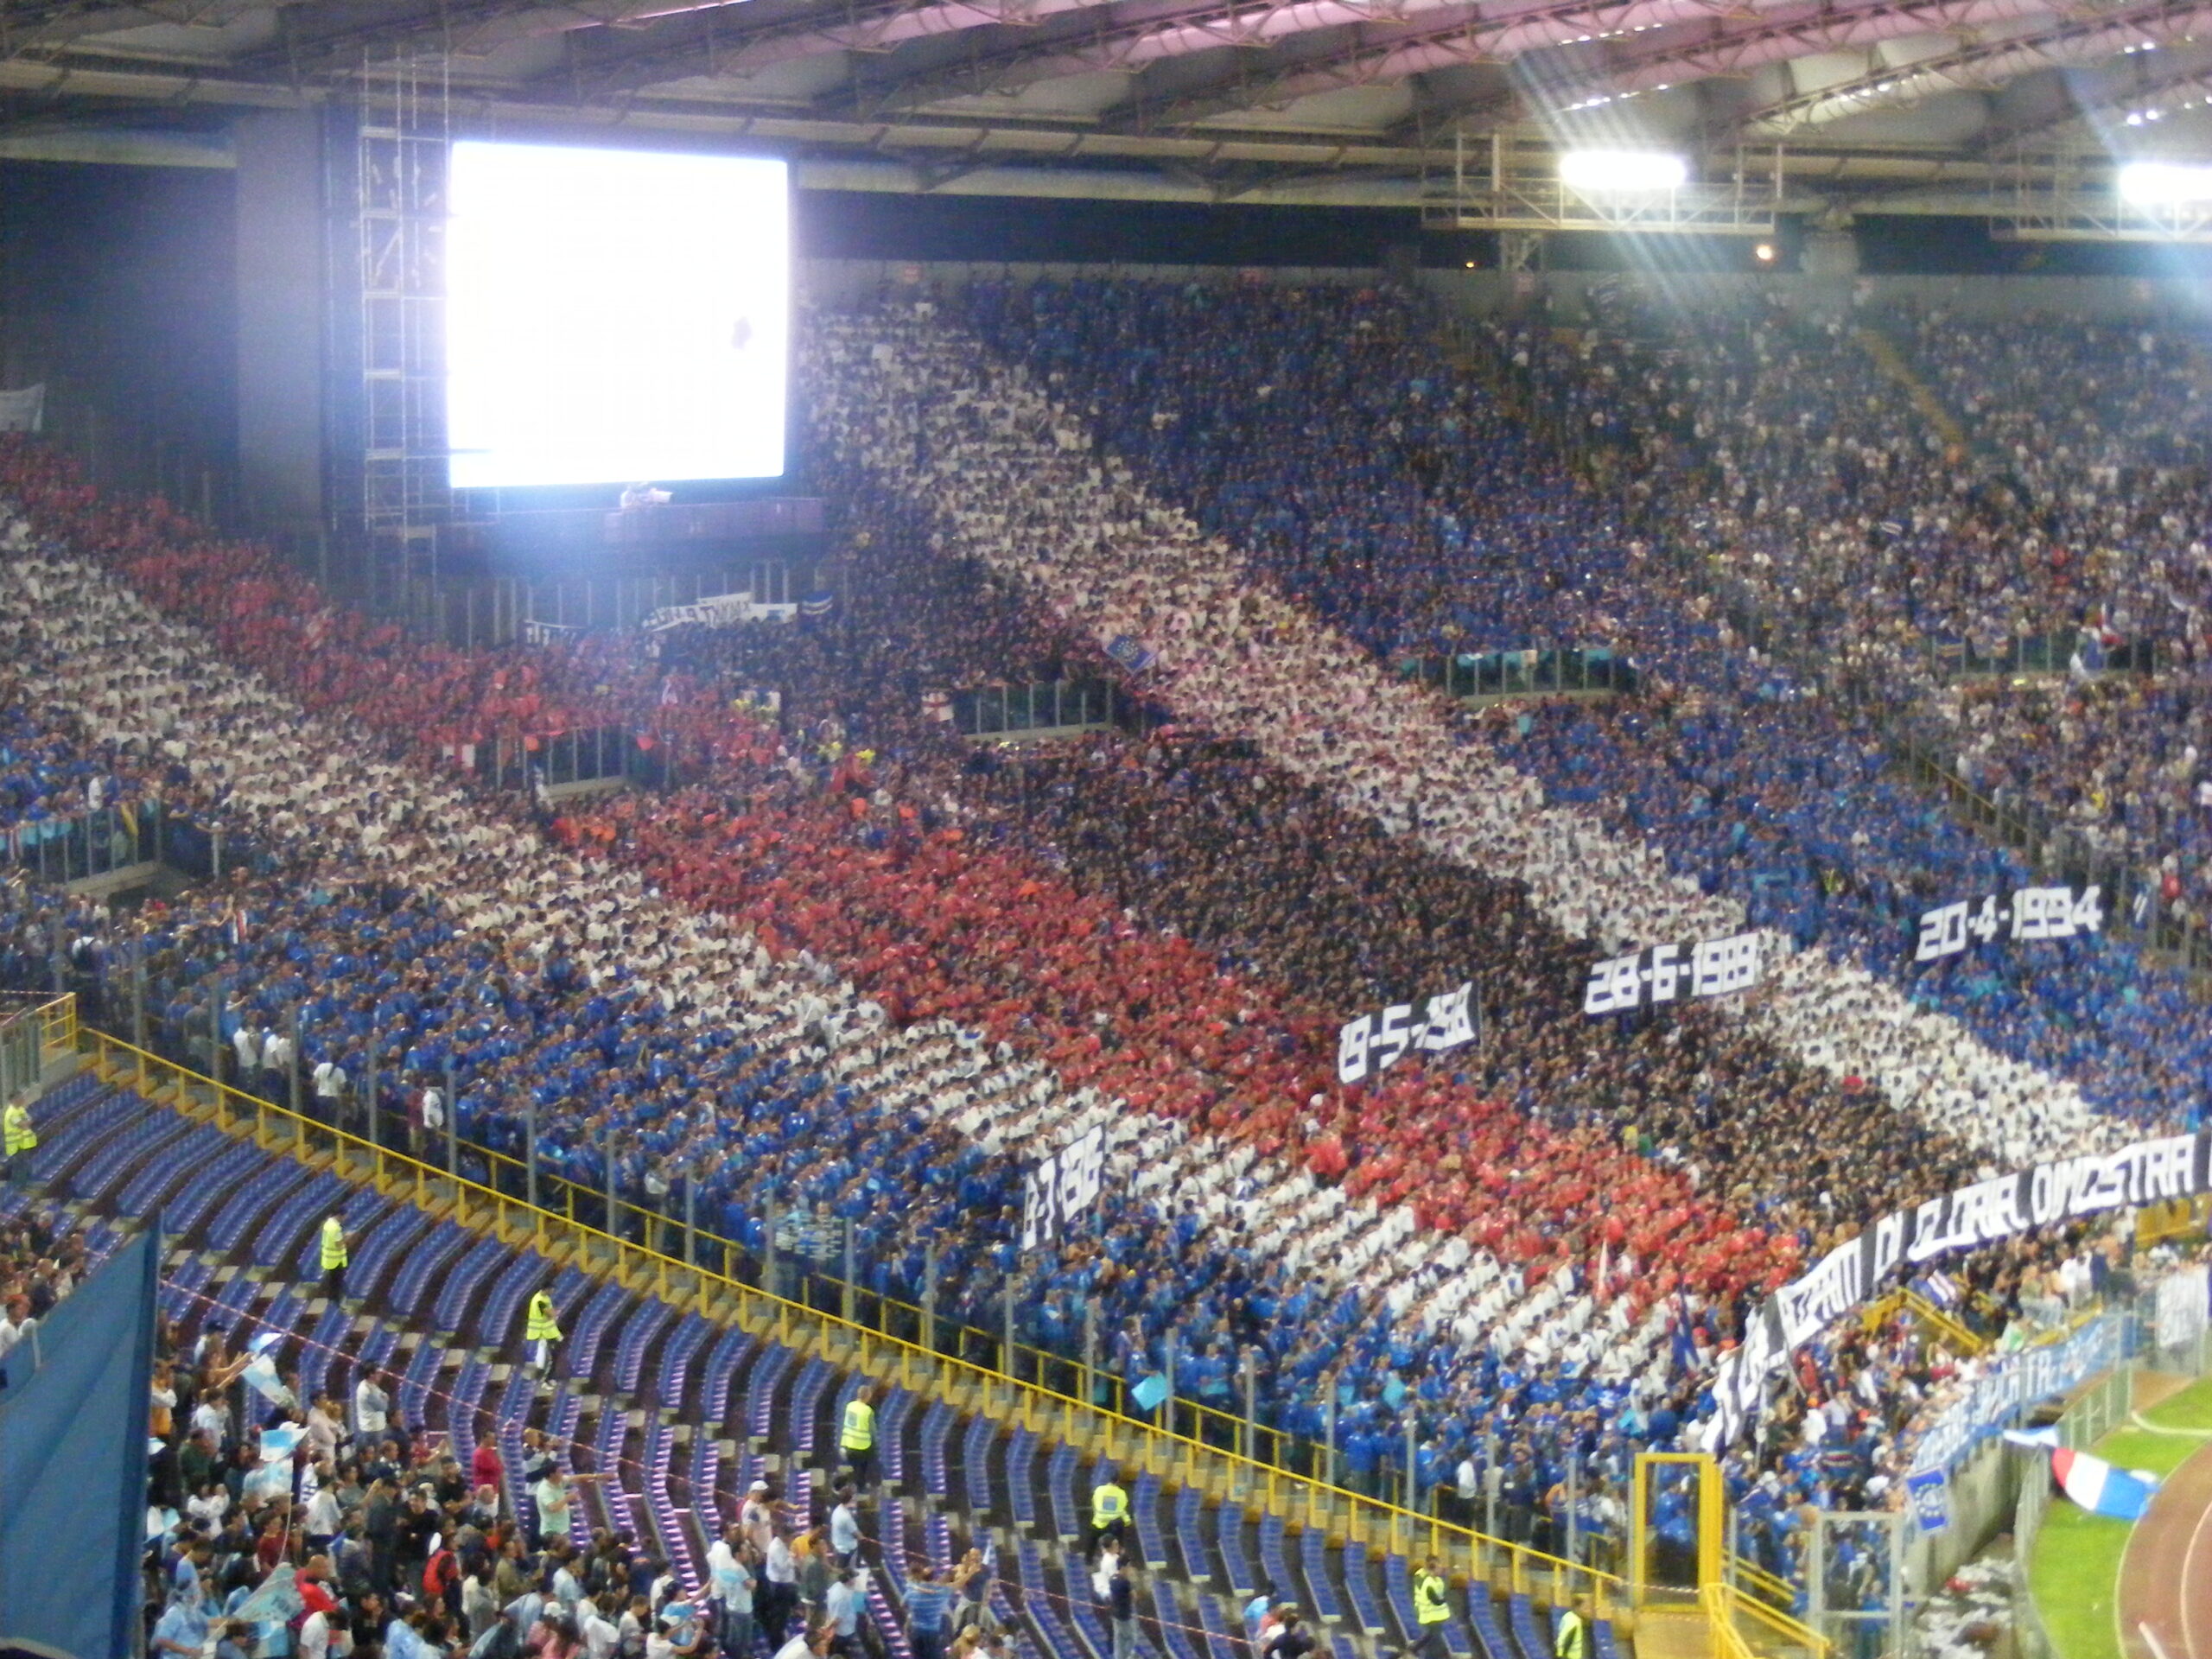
(1375, 1042)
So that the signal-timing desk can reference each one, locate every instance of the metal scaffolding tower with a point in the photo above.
(401, 136)
(1511, 185)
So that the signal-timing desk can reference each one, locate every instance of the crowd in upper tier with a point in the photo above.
(844, 962)
(1234, 655)
(1788, 803)
(2066, 502)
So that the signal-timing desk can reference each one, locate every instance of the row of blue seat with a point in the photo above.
(785, 1405)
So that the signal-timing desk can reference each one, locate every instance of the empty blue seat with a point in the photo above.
(1020, 1479)
(1235, 1564)
(937, 1428)
(1320, 1589)
(976, 1465)
(1060, 1473)
(1191, 1535)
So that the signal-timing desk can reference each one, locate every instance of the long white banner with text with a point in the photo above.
(2064, 1189)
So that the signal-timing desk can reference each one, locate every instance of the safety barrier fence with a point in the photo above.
(82, 844)
(1522, 673)
(1041, 706)
(1739, 1625)
(108, 839)
(2039, 653)
(36, 1032)
(602, 753)
(813, 1257)
(1022, 1388)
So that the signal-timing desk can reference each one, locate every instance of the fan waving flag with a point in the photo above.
(2100, 1488)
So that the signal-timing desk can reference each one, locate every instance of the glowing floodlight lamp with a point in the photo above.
(1621, 171)
(2164, 184)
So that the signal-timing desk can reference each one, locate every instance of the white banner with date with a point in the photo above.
(2065, 1189)
(716, 611)
(1375, 1042)
(1664, 973)
(1059, 1192)
(2026, 914)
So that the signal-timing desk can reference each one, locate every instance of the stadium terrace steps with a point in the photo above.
(685, 1412)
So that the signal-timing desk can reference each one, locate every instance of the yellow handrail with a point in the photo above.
(1765, 1585)
(1178, 1459)
(1726, 1641)
(1771, 1634)
(2172, 1218)
(51, 1021)
(1962, 1340)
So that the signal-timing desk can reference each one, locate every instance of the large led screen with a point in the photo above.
(614, 316)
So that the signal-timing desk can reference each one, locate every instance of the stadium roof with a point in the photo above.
(1899, 106)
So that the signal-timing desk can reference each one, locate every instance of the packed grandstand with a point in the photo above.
(805, 1011)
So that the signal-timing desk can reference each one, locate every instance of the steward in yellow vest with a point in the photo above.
(18, 1140)
(1109, 1511)
(335, 1257)
(856, 1435)
(543, 1331)
(1431, 1612)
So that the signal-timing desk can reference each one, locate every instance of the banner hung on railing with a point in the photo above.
(2013, 1383)
(1375, 1042)
(715, 611)
(1986, 1212)
(1059, 1192)
(2181, 1306)
(1666, 973)
(1928, 1492)
(535, 632)
(2028, 914)
(23, 409)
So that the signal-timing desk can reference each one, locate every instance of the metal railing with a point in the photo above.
(1023, 1387)
(1523, 673)
(604, 752)
(1962, 1341)
(2104, 1406)
(84, 844)
(1040, 706)
(2088, 1420)
(36, 1030)
(1744, 1626)
(2039, 653)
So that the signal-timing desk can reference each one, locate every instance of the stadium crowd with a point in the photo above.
(41, 1260)
(320, 1521)
(1776, 798)
(1238, 657)
(1325, 1244)
(844, 951)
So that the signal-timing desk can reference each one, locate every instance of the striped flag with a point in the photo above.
(2100, 1488)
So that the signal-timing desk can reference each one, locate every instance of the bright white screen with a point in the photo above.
(614, 316)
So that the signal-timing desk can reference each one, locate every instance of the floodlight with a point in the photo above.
(2164, 184)
(1622, 170)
